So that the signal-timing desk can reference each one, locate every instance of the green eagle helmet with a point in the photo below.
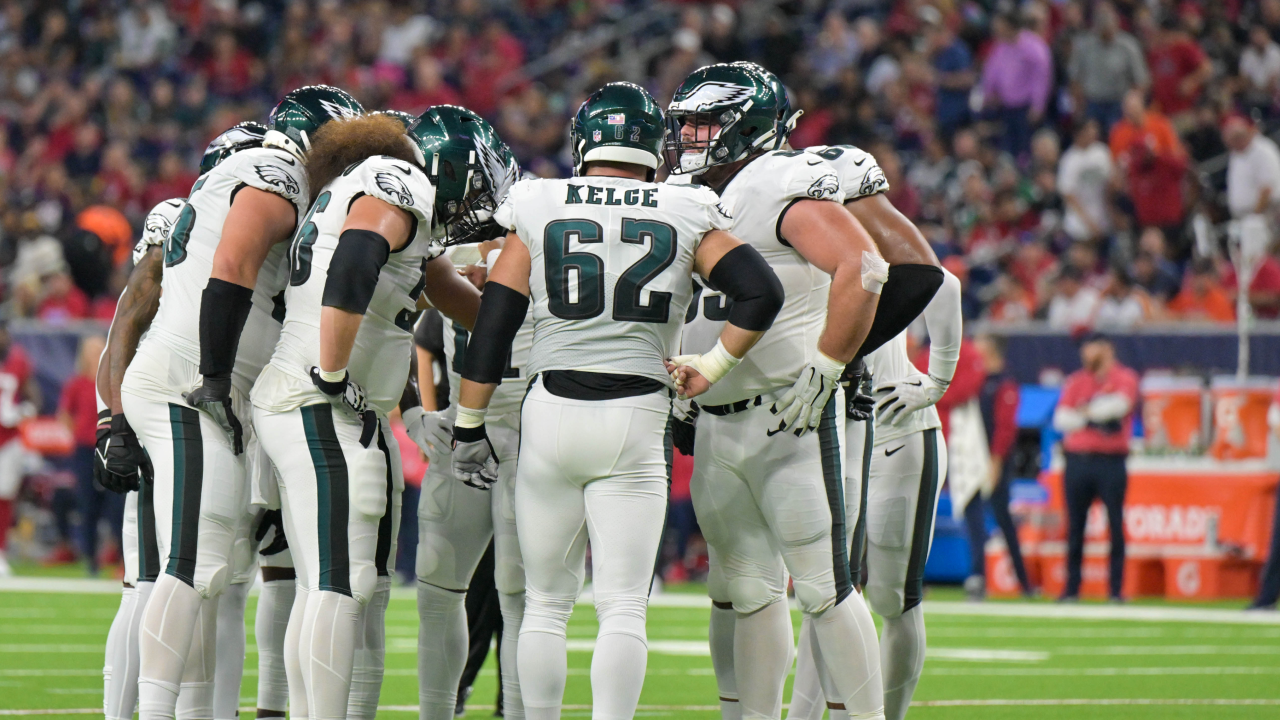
(240, 137)
(620, 122)
(744, 100)
(297, 117)
(471, 168)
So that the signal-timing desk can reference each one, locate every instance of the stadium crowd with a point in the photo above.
(1050, 150)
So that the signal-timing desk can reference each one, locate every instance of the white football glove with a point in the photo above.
(431, 431)
(801, 408)
(896, 401)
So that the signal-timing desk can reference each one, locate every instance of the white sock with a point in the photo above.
(762, 646)
(618, 663)
(229, 668)
(117, 657)
(195, 697)
(442, 650)
(902, 657)
(807, 699)
(720, 637)
(299, 705)
(270, 625)
(849, 657)
(168, 623)
(512, 607)
(543, 660)
(370, 656)
(327, 652)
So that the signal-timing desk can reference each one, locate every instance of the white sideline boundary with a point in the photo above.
(1041, 610)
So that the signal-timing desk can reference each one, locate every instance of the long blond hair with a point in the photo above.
(339, 144)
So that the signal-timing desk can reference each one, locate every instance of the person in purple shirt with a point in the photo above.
(1016, 81)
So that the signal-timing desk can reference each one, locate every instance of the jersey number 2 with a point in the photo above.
(584, 299)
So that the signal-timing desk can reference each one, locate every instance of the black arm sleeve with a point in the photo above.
(502, 312)
(746, 279)
(224, 308)
(353, 270)
(902, 299)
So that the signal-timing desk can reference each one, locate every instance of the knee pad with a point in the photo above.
(886, 602)
(546, 613)
(749, 594)
(817, 597)
(622, 615)
(364, 582)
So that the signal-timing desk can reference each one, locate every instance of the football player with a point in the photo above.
(188, 385)
(913, 275)
(769, 493)
(455, 524)
(359, 266)
(605, 259)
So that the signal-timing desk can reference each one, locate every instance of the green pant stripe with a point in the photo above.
(925, 509)
(383, 552)
(833, 480)
(148, 548)
(188, 481)
(332, 497)
(856, 564)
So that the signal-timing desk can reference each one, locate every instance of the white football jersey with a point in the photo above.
(188, 259)
(515, 380)
(890, 363)
(384, 344)
(756, 199)
(860, 174)
(612, 263)
(155, 231)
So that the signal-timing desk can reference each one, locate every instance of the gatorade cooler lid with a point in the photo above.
(1253, 382)
(1171, 382)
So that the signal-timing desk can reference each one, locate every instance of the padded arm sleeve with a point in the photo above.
(902, 299)
(224, 308)
(945, 323)
(744, 276)
(354, 269)
(502, 312)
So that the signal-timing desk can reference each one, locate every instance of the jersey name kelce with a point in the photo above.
(757, 199)
(192, 242)
(383, 346)
(612, 260)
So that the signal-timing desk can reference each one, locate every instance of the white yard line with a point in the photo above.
(1104, 671)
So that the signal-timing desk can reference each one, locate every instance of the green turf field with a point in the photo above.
(995, 666)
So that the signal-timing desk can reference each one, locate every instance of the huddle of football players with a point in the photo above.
(750, 311)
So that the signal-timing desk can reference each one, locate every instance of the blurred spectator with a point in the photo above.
(78, 410)
(721, 40)
(835, 48)
(1149, 273)
(1074, 303)
(1154, 163)
(1095, 416)
(1260, 69)
(1264, 290)
(1084, 178)
(146, 34)
(18, 398)
(427, 87)
(953, 68)
(1253, 168)
(1202, 297)
(1016, 81)
(405, 32)
(1106, 64)
(1179, 71)
(172, 180)
(1122, 306)
(60, 300)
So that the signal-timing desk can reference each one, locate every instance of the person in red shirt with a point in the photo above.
(62, 301)
(1154, 161)
(1095, 415)
(1179, 70)
(18, 398)
(1264, 290)
(78, 410)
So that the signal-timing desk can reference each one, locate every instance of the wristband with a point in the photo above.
(830, 369)
(715, 364)
(875, 272)
(469, 417)
(333, 377)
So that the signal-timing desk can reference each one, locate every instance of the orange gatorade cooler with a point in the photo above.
(1240, 416)
(1173, 414)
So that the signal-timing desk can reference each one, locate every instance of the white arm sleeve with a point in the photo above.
(946, 329)
(1105, 408)
(1067, 420)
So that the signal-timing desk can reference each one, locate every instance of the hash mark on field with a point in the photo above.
(984, 655)
(1168, 650)
(36, 648)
